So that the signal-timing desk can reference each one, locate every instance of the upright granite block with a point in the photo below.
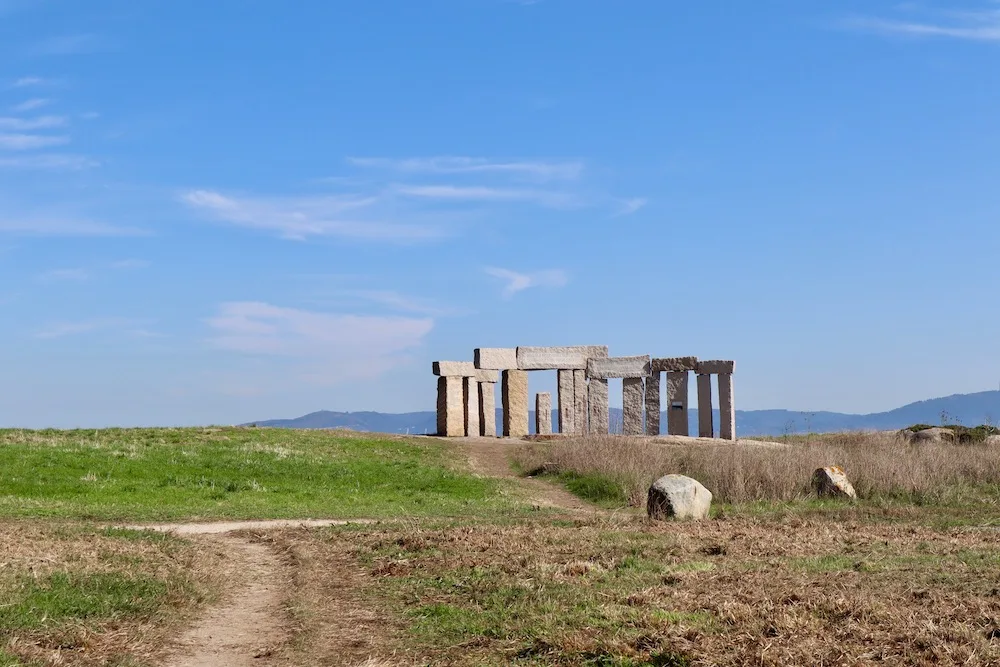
(632, 399)
(543, 413)
(674, 364)
(470, 391)
(580, 397)
(618, 367)
(677, 403)
(705, 427)
(567, 402)
(558, 358)
(598, 396)
(653, 404)
(454, 368)
(716, 366)
(488, 409)
(495, 358)
(727, 407)
(450, 407)
(515, 403)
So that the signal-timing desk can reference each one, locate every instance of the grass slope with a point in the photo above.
(166, 474)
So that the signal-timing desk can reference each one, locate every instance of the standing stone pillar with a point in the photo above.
(450, 407)
(727, 408)
(653, 404)
(515, 404)
(488, 409)
(705, 427)
(632, 400)
(598, 397)
(567, 402)
(677, 403)
(580, 416)
(543, 413)
(470, 391)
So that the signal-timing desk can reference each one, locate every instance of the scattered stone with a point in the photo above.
(832, 482)
(679, 497)
(933, 435)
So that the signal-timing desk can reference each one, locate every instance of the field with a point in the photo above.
(473, 553)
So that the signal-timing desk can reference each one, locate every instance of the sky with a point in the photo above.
(220, 212)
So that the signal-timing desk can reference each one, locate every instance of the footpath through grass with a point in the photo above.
(233, 473)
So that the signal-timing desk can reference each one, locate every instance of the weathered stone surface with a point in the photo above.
(618, 367)
(632, 400)
(580, 396)
(932, 435)
(727, 408)
(567, 402)
(716, 366)
(832, 482)
(543, 413)
(470, 390)
(678, 497)
(487, 376)
(653, 404)
(677, 403)
(598, 397)
(674, 364)
(450, 407)
(515, 404)
(558, 358)
(454, 368)
(495, 358)
(488, 409)
(706, 429)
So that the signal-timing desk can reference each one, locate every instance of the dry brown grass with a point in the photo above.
(878, 464)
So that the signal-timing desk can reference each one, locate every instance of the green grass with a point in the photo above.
(599, 489)
(164, 474)
(33, 603)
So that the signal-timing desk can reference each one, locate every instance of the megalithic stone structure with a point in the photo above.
(451, 400)
(632, 371)
(677, 403)
(705, 426)
(515, 403)
(567, 401)
(543, 413)
(597, 396)
(558, 358)
(486, 382)
(580, 397)
(470, 391)
(653, 404)
(727, 408)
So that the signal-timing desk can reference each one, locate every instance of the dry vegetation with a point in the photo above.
(879, 465)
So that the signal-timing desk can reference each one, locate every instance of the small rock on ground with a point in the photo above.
(679, 497)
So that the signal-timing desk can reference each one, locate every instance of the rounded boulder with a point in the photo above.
(832, 482)
(678, 497)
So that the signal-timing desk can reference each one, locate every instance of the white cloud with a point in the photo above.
(303, 217)
(401, 302)
(630, 206)
(982, 25)
(30, 105)
(56, 226)
(24, 142)
(39, 123)
(558, 200)
(26, 81)
(60, 275)
(538, 169)
(518, 282)
(333, 347)
(63, 329)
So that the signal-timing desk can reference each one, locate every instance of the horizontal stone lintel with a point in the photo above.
(559, 358)
(674, 364)
(489, 377)
(618, 367)
(495, 358)
(715, 366)
(454, 368)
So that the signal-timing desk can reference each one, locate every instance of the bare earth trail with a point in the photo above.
(251, 622)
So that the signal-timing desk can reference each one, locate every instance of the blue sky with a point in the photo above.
(215, 212)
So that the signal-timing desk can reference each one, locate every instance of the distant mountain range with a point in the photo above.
(967, 409)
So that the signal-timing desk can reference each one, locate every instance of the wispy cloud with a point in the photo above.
(974, 25)
(537, 169)
(63, 329)
(27, 81)
(303, 217)
(49, 161)
(630, 206)
(335, 346)
(25, 142)
(61, 226)
(63, 275)
(39, 123)
(476, 193)
(399, 302)
(30, 105)
(518, 282)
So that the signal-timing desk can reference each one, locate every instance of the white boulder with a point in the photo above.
(679, 497)
(832, 482)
